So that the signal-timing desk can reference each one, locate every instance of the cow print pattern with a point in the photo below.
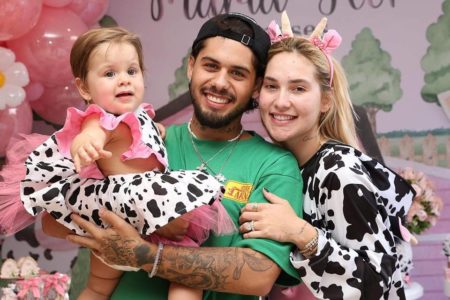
(446, 247)
(49, 258)
(147, 200)
(351, 199)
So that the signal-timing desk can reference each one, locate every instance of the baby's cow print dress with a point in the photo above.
(147, 200)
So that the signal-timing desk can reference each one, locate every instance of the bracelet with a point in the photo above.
(309, 254)
(303, 228)
(311, 247)
(157, 260)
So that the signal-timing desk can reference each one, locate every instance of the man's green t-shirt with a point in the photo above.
(249, 165)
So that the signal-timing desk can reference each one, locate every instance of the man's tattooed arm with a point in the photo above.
(232, 270)
(236, 270)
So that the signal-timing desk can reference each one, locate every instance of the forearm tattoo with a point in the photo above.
(143, 255)
(126, 252)
(210, 268)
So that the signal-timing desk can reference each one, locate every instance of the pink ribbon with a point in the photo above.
(331, 41)
(274, 32)
(57, 281)
(29, 285)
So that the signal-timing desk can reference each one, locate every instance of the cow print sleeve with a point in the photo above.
(357, 257)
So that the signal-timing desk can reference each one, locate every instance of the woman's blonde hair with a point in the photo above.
(337, 123)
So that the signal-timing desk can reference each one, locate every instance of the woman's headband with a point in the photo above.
(327, 44)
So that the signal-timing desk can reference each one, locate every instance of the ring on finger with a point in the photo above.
(252, 225)
(255, 206)
(248, 226)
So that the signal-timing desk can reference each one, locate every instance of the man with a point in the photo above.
(225, 70)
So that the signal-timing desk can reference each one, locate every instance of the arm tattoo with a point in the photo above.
(125, 252)
(143, 255)
(210, 268)
(256, 262)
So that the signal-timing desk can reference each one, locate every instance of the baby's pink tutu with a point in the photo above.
(203, 220)
(13, 216)
(300, 291)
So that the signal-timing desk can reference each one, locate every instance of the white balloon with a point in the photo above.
(17, 74)
(11, 96)
(7, 57)
(13, 76)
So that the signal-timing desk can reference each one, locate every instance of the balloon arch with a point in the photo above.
(35, 41)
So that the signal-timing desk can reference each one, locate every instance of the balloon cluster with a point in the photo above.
(39, 34)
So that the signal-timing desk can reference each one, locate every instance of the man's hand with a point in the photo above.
(119, 245)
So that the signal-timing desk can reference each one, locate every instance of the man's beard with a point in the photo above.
(213, 120)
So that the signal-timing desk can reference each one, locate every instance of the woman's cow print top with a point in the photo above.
(351, 199)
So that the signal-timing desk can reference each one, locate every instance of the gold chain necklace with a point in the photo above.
(204, 163)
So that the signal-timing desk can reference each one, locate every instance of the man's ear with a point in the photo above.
(190, 67)
(82, 89)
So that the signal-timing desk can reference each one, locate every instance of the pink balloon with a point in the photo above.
(17, 17)
(57, 3)
(90, 11)
(45, 49)
(53, 103)
(13, 121)
(34, 91)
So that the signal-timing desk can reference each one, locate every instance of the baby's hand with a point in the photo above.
(162, 130)
(175, 230)
(86, 149)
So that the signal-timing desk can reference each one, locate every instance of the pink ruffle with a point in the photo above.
(300, 291)
(209, 218)
(72, 128)
(13, 216)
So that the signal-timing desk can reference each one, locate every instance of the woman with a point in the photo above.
(345, 243)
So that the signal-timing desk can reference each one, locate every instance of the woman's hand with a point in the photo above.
(275, 220)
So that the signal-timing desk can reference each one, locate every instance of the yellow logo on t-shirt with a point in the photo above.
(238, 191)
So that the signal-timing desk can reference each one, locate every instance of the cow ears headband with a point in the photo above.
(327, 44)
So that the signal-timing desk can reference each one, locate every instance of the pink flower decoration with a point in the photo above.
(418, 189)
(426, 206)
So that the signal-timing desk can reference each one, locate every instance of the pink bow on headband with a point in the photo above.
(274, 32)
(331, 41)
